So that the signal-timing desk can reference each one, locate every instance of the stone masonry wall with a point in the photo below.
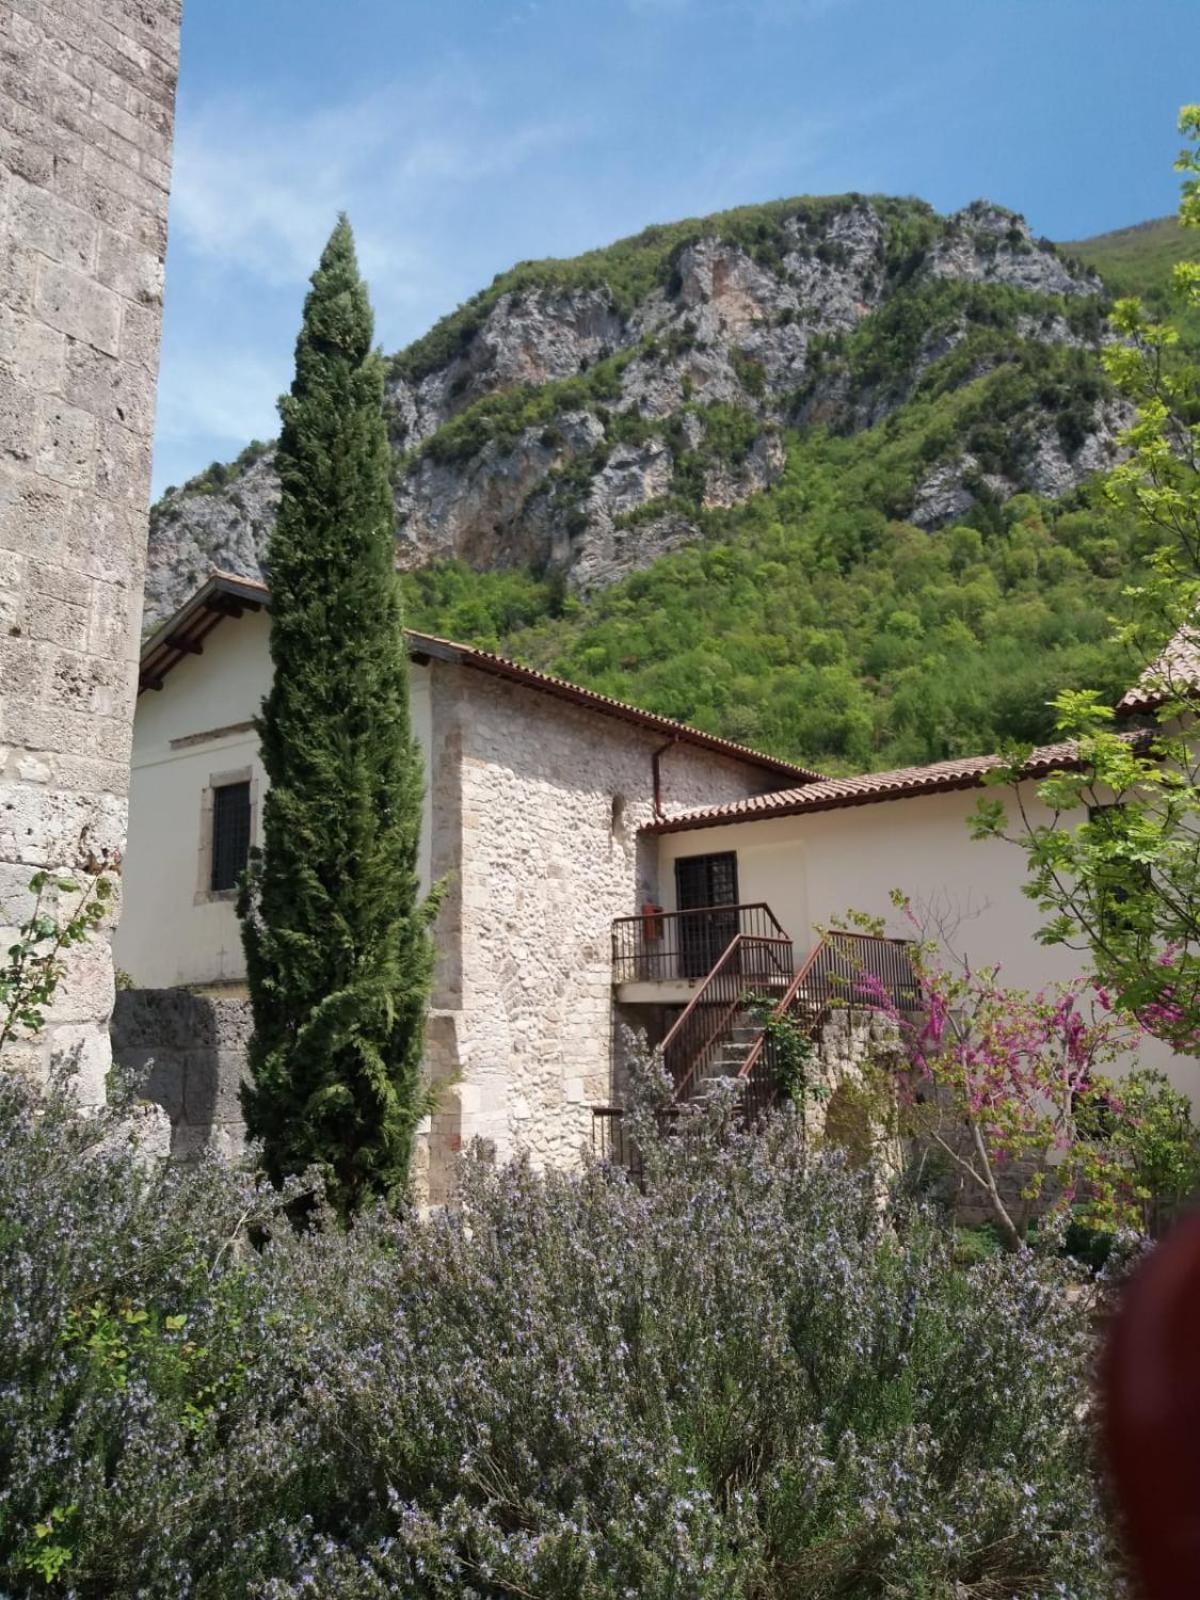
(187, 1053)
(87, 92)
(545, 831)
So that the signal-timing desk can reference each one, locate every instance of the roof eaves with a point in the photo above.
(877, 788)
(181, 633)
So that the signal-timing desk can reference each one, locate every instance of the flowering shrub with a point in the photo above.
(747, 1380)
(1015, 1093)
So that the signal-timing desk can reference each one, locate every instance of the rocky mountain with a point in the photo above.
(579, 419)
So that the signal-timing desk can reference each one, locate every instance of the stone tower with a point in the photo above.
(87, 93)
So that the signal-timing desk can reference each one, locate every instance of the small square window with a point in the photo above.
(230, 835)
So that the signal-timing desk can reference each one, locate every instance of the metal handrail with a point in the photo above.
(699, 911)
(684, 945)
(818, 991)
(705, 1020)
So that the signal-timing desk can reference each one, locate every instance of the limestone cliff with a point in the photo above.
(580, 416)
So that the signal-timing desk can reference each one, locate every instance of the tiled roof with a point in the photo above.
(226, 593)
(1177, 669)
(831, 794)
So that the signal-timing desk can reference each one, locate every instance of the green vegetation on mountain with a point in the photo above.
(1139, 261)
(628, 270)
(810, 623)
(933, 562)
(813, 620)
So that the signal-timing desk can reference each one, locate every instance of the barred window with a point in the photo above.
(230, 835)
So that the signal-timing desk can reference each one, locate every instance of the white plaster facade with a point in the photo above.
(812, 868)
(197, 733)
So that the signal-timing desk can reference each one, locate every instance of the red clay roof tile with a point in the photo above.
(829, 794)
(178, 636)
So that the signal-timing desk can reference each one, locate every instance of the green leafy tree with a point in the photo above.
(1125, 882)
(337, 941)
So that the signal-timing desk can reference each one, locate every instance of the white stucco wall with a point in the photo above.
(171, 931)
(813, 869)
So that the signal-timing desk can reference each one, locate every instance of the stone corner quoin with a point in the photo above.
(87, 94)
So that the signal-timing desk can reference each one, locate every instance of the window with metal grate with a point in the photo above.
(230, 835)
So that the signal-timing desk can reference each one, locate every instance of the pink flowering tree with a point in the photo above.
(1014, 1089)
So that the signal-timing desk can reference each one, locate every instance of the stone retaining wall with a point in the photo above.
(187, 1053)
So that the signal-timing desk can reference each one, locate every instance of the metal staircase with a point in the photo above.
(724, 1033)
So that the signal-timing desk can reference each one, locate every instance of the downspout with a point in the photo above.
(656, 769)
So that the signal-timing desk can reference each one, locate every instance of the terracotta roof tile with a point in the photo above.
(178, 637)
(830, 794)
(1176, 670)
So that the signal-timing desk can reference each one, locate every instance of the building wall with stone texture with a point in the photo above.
(186, 1052)
(87, 91)
(537, 807)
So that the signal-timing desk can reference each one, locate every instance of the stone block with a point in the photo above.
(153, 1074)
(52, 225)
(148, 1129)
(81, 1055)
(25, 157)
(118, 175)
(87, 683)
(58, 729)
(121, 121)
(153, 167)
(12, 570)
(33, 513)
(59, 582)
(104, 386)
(132, 271)
(34, 354)
(24, 663)
(112, 629)
(67, 439)
(16, 898)
(88, 776)
(47, 619)
(43, 827)
(87, 991)
(212, 1087)
(123, 465)
(140, 336)
(106, 541)
(78, 306)
(86, 191)
(18, 420)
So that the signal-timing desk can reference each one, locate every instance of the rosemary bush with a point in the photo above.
(746, 1381)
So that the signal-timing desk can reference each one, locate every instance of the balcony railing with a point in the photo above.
(845, 971)
(611, 1141)
(663, 946)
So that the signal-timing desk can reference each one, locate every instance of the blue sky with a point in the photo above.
(464, 135)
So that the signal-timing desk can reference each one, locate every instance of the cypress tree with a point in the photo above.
(338, 950)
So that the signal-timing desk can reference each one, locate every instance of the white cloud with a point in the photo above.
(221, 394)
(257, 190)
